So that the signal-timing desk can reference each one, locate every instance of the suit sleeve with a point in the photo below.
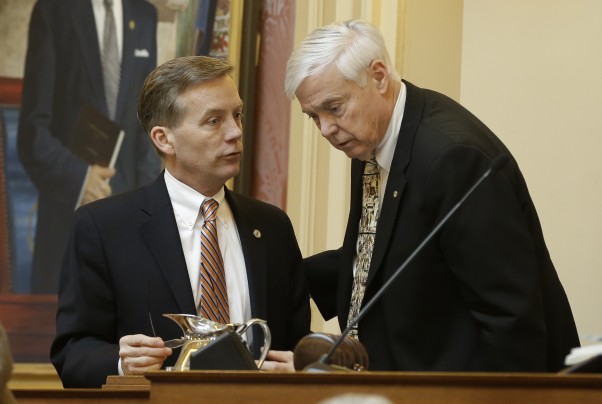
(50, 165)
(85, 350)
(322, 272)
(300, 316)
(490, 251)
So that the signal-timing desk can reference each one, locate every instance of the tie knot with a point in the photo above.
(108, 3)
(209, 209)
(371, 166)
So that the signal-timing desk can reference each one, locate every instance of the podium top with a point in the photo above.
(434, 388)
(375, 377)
(301, 387)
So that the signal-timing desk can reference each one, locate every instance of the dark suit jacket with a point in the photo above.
(483, 295)
(124, 260)
(62, 72)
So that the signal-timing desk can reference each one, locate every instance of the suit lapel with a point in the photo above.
(397, 181)
(84, 25)
(254, 251)
(161, 233)
(130, 30)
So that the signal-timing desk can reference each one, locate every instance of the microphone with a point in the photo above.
(324, 364)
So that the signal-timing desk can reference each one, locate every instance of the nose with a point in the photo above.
(328, 127)
(233, 130)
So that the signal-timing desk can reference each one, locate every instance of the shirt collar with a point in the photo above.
(386, 148)
(187, 202)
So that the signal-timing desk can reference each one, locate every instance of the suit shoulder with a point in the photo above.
(52, 3)
(116, 206)
(54, 8)
(144, 6)
(257, 206)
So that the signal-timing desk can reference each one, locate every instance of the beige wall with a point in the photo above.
(530, 71)
(432, 45)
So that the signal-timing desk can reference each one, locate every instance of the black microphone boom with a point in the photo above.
(325, 360)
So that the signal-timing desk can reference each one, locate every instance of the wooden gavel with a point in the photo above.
(350, 354)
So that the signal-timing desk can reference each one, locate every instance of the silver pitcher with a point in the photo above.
(200, 332)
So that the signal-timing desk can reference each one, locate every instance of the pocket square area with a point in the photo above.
(141, 53)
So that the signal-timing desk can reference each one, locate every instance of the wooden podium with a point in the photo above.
(431, 388)
(290, 388)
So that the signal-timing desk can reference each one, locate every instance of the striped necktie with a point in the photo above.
(214, 294)
(111, 68)
(366, 236)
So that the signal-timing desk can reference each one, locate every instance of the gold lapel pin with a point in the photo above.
(132, 25)
(257, 233)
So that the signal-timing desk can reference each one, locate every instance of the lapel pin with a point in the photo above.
(257, 233)
(132, 24)
(395, 193)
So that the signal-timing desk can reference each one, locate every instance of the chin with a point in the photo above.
(233, 173)
(358, 155)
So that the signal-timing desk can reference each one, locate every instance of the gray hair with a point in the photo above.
(349, 46)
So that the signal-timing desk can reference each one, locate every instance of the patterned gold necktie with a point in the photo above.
(367, 232)
(214, 293)
(111, 68)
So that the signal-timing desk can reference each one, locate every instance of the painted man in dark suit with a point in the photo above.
(483, 295)
(63, 72)
(135, 256)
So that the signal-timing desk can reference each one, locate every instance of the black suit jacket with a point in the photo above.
(483, 295)
(124, 263)
(62, 72)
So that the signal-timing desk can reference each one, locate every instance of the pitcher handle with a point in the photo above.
(267, 336)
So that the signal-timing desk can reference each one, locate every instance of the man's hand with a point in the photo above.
(97, 184)
(279, 360)
(140, 354)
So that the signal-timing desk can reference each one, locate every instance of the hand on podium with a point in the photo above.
(279, 360)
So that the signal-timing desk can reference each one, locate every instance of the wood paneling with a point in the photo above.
(398, 387)
(29, 321)
(34, 376)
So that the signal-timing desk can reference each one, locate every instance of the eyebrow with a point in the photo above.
(222, 110)
(325, 103)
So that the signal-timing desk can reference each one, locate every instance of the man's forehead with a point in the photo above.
(221, 104)
(316, 92)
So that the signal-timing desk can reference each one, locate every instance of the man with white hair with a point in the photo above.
(483, 295)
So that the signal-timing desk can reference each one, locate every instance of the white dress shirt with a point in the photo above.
(186, 204)
(99, 16)
(386, 148)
